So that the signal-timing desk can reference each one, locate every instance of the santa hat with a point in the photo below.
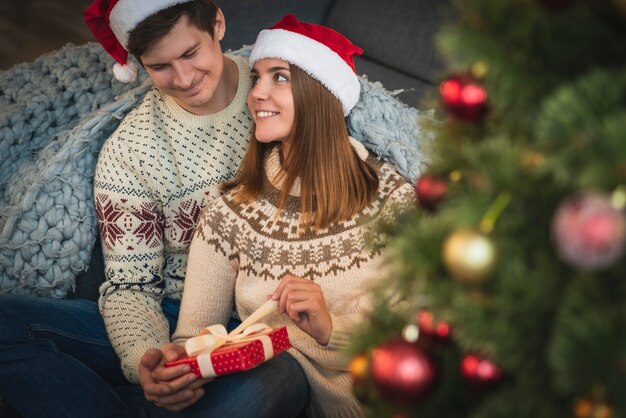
(324, 54)
(111, 21)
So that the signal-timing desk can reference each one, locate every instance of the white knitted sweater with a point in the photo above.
(154, 176)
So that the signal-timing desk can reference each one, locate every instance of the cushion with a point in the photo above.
(410, 90)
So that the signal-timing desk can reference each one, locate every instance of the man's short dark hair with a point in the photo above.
(200, 13)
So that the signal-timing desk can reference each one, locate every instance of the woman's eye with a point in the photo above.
(254, 78)
(281, 77)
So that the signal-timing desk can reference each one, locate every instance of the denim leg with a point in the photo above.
(276, 388)
(56, 359)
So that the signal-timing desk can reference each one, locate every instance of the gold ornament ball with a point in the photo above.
(469, 256)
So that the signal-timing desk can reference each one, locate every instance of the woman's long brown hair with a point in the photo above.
(335, 183)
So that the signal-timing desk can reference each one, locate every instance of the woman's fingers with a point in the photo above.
(303, 302)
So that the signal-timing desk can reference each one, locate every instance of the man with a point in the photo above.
(154, 176)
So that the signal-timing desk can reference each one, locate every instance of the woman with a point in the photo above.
(293, 224)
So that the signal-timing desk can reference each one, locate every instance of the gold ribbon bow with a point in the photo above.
(216, 336)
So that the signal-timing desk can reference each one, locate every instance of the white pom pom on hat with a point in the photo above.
(126, 73)
(111, 21)
(324, 54)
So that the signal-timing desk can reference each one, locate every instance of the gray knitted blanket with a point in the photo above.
(56, 113)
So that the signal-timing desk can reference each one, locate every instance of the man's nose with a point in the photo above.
(183, 76)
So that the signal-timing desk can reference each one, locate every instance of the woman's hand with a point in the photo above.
(303, 301)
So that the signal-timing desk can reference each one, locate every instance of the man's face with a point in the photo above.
(187, 65)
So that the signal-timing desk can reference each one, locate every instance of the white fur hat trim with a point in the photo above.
(315, 58)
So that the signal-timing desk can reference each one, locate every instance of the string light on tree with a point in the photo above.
(480, 372)
(430, 327)
(359, 367)
(464, 97)
(591, 408)
(411, 333)
(401, 371)
(359, 370)
(530, 160)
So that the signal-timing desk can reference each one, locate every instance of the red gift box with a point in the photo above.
(236, 356)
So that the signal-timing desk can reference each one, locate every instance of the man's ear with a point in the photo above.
(220, 25)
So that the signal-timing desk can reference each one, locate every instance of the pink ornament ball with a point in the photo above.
(589, 232)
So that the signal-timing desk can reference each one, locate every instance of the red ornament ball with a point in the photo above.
(479, 371)
(589, 231)
(430, 191)
(402, 372)
(464, 97)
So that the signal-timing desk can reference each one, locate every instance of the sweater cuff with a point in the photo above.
(130, 361)
(343, 329)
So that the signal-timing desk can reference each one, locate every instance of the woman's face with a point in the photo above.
(271, 101)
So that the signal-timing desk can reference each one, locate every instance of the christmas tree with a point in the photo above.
(506, 295)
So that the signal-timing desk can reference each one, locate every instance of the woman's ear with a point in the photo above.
(220, 25)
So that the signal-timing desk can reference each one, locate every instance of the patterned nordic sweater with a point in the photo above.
(154, 176)
(240, 253)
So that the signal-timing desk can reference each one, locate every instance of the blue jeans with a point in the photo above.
(56, 361)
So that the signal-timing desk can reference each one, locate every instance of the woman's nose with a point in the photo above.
(259, 91)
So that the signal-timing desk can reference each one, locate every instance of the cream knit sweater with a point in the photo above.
(240, 252)
(154, 176)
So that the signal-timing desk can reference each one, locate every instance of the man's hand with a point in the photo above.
(173, 388)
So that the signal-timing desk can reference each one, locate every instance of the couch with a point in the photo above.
(398, 41)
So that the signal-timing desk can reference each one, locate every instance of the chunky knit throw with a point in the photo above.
(55, 114)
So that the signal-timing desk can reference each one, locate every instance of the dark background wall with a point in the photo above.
(29, 28)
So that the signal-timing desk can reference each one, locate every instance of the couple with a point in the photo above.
(245, 203)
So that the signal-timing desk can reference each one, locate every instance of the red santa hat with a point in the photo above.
(112, 20)
(324, 54)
